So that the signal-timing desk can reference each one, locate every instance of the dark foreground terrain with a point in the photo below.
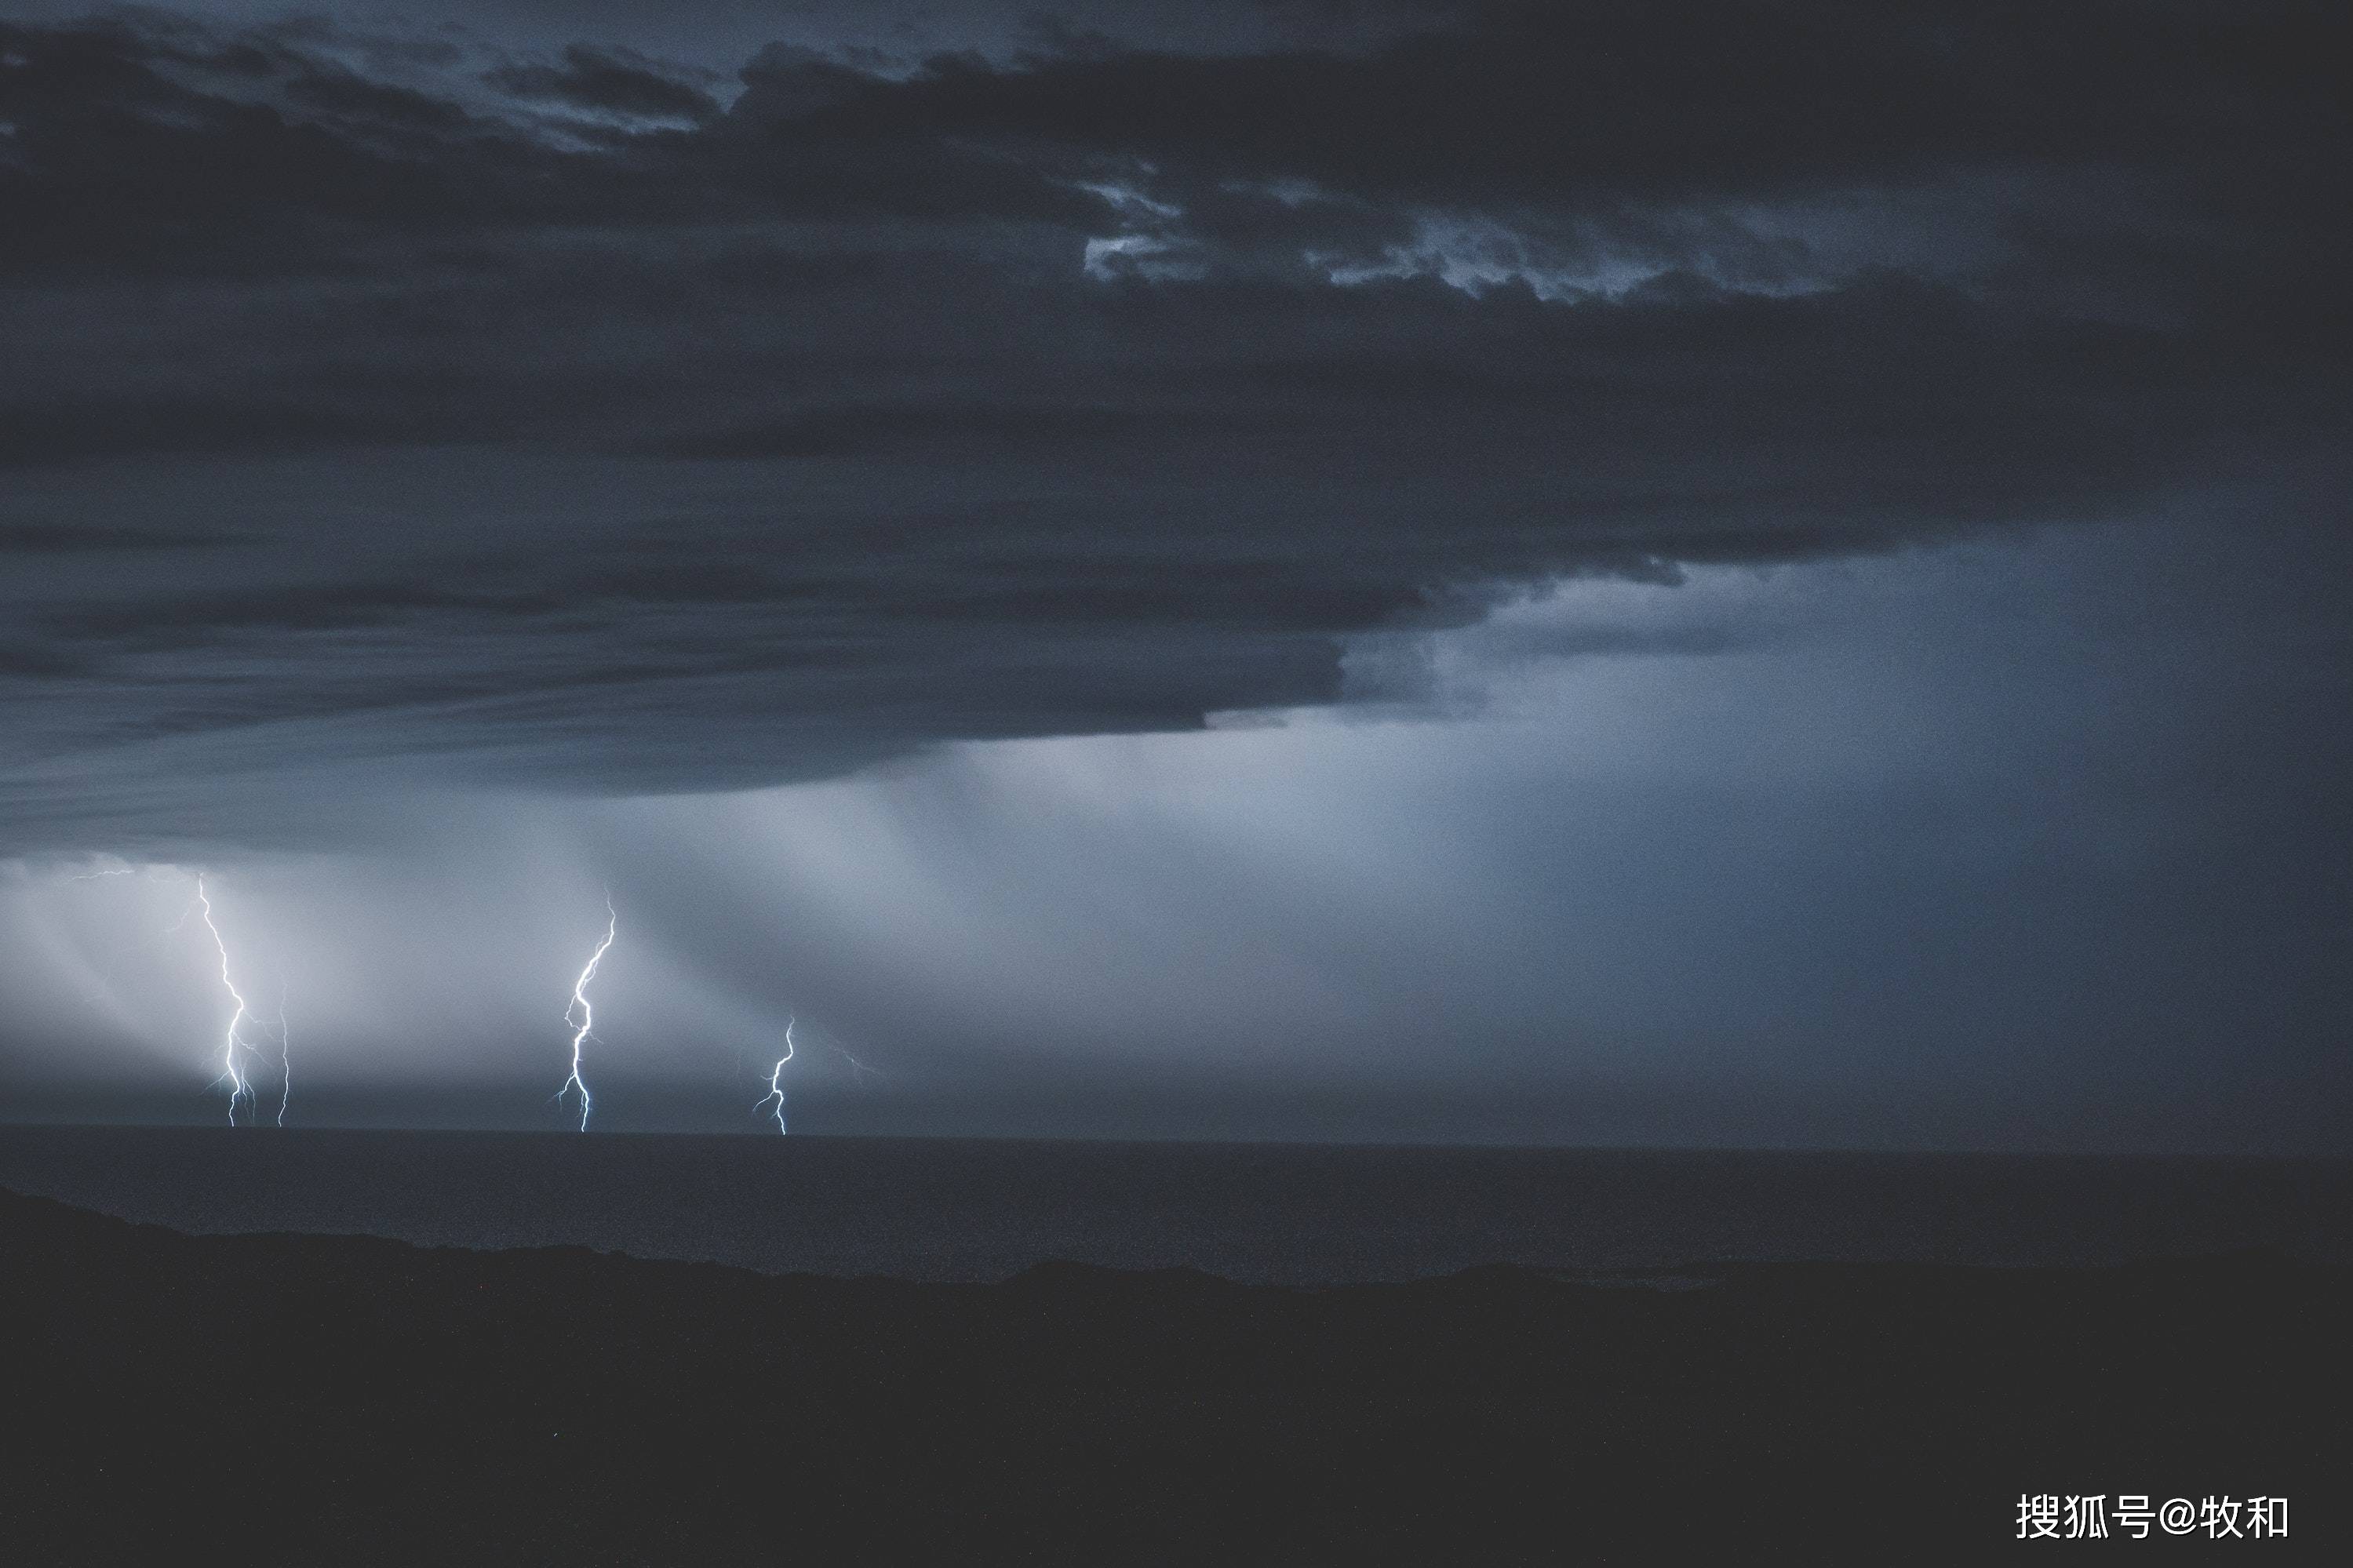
(335, 1400)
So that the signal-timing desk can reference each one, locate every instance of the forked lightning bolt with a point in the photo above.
(776, 1078)
(579, 1005)
(232, 1041)
(285, 1058)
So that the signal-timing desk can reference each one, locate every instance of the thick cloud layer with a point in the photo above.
(1742, 569)
(571, 417)
(1995, 847)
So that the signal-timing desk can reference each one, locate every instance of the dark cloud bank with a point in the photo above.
(555, 409)
(545, 408)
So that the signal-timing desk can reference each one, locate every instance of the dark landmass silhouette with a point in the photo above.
(339, 1400)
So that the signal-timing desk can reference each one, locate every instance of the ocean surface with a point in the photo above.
(958, 1209)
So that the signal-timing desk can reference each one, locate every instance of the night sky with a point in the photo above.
(1670, 572)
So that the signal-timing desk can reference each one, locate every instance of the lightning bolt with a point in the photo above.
(858, 1070)
(232, 1041)
(579, 1005)
(775, 1078)
(285, 1058)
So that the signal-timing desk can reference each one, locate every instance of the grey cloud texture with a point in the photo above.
(1996, 847)
(547, 420)
(1412, 558)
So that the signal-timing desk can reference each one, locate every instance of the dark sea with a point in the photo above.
(958, 1209)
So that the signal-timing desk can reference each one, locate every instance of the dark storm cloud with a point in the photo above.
(47, 539)
(618, 83)
(577, 415)
(1553, 104)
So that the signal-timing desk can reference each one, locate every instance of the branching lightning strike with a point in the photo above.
(776, 1076)
(579, 1005)
(232, 1040)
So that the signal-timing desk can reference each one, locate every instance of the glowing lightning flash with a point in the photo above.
(776, 1076)
(232, 1041)
(285, 1058)
(580, 1003)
